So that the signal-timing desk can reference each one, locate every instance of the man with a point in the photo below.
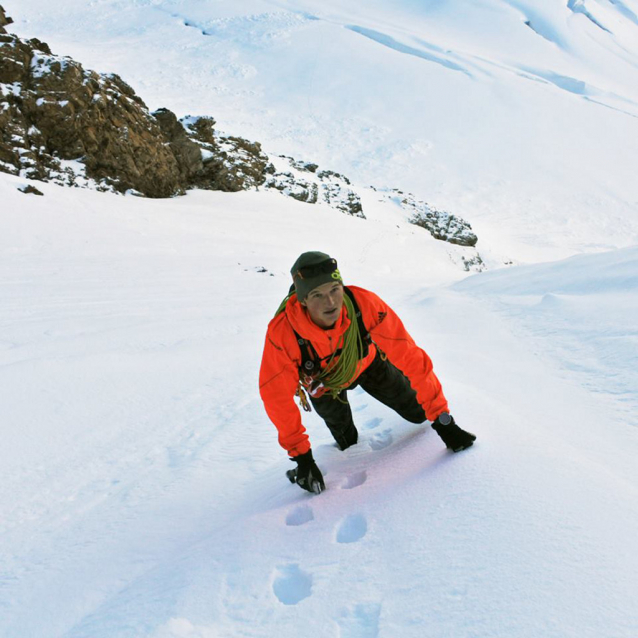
(327, 339)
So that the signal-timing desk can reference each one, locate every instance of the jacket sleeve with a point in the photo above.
(278, 381)
(388, 332)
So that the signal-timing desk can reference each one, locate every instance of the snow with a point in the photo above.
(10, 89)
(142, 490)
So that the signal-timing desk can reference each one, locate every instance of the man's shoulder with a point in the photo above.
(279, 324)
(362, 295)
(373, 309)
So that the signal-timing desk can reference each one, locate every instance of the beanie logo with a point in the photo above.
(336, 275)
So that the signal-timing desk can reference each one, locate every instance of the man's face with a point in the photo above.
(324, 304)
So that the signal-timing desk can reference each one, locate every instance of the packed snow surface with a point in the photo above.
(142, 489)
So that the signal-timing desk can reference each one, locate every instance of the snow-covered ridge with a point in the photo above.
(82, 128)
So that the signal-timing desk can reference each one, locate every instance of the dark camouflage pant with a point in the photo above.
(384, 382)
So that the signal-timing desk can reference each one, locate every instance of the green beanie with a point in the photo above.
(313, 269)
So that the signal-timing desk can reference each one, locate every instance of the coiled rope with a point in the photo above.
(338, 373)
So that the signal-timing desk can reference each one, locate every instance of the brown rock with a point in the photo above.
(30, 190)
(4, 20)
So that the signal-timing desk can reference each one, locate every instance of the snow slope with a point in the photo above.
(518, 115)
(143, 491)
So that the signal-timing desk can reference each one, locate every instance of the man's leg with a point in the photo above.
(338, 417)
(386, 383)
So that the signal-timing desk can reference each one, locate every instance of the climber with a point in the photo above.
(326, 339)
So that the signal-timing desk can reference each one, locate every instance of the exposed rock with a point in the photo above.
(51, 110)
(440, 224)
(30, 190)
(4, 20)
(61, 123)
(229, 163)
(294, 187)
(187, 154)
(302, 181)
(474, 263)
(304, 166)
(343, 199)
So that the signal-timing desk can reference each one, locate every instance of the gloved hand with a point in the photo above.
(307, 475)
(453, 436)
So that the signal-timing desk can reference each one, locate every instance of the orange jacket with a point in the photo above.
(279, 374)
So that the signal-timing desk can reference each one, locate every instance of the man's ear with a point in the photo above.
(303, 303)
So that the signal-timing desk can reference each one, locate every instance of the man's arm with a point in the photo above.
(278, 381)
(389, 333)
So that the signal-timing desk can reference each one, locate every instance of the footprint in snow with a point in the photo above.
(373, 423)
(381, 440)
(354, 480)
(360, 621)
(352, 529)
(300, 515)
(291, 585)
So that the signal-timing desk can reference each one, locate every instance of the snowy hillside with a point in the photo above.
(519, 116)
(142, 489)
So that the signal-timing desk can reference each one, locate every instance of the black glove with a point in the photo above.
(307, 475)
(453, 436)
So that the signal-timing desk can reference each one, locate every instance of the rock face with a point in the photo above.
(229, 163)
(53, 110)
(62, 123)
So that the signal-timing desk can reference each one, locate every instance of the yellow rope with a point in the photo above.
(338, 374)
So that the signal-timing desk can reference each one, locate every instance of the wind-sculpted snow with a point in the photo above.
(625, 10)
(586, 304)
(580, 7)
(427, 52)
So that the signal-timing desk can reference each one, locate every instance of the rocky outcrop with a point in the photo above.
(304, 182)
(229, 163)
(440, 224)
(52, 111)
(61, 123)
